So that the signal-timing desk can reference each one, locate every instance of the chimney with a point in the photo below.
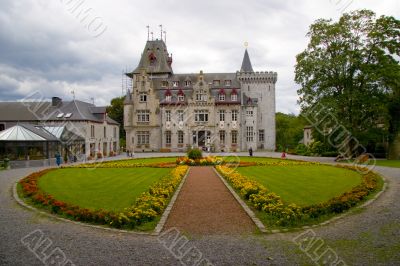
(56, 101)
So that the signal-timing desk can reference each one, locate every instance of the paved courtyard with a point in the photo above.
(367, 237)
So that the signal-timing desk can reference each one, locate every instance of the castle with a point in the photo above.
(219, 112)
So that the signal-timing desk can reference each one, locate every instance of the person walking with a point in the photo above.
(58, 159)
(251, 151)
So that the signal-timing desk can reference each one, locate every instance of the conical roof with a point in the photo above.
(246, 64)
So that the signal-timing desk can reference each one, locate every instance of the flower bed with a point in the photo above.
(146, 208)
(284, 214)
(209, 160)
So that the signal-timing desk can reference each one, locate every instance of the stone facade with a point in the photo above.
(221, 112)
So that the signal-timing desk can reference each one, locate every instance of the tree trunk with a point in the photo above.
(394, 148)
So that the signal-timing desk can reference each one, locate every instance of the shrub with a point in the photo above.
(301, 149)
(330, 154)
(195, 154)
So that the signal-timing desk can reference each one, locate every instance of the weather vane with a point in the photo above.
(148, 32)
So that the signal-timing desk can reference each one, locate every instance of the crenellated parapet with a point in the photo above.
(257, 77)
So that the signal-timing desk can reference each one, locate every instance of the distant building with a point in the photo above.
(307, 135)
(82, 129)
(214, 111)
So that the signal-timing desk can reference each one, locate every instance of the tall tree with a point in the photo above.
(116, 112)
(349, 67)
(289, 130)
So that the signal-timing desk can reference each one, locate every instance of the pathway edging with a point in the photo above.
(246, 208)
(167, 211)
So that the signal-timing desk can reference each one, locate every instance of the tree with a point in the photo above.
(116, 111)
(289, 130)
(349, 68)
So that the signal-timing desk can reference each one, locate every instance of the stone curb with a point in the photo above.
(246, 208)
(333, 219)
(167, 211)
(156, 231)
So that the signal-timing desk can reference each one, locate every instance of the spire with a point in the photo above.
(246, 64)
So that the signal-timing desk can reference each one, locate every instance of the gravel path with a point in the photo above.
(368, 237)
(205, 206)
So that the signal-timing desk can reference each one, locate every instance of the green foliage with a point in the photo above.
(302, 149)
(289, 130)
(195, 154)
(349, 67)
(116, 112)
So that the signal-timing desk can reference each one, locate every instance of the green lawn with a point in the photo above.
(304, 185)
(388, 163)
(107, 188)
(250, 159)
(148, 160)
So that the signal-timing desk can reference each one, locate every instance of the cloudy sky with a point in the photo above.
(51, 48)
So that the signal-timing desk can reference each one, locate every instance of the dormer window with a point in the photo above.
(142, 97)
(181, 95)
(234, 97)
(188, 83)
(221, 95)
(164, 83)
(216, 83)
(175, 83)
(168, 98)
(228, 82)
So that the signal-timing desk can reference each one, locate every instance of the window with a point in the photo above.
(164, 83)
(188, 83)
(249, 113)
(143, 137)
(142, 97)
(234, 97)
(261, 135)
(181, 98)
(221, 97)
(168, 137)
(92, 131)
(216, 83)
(143, 115)
(180, 115)
(201, 96)
(180, 137)
(175, 83)
(168, 98)
(222, 137)
(234, 137)
(234, 115)
(221, 115)
(228, 82)
(249, 134)
(115, 132)
(2, 127)
(201, 116)
(168, 115)
(105, 132)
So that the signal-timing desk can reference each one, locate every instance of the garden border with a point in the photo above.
(246, 208)
(154, 232)
(329, 221)
(160, 225)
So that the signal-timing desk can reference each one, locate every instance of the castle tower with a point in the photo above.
(258, 106)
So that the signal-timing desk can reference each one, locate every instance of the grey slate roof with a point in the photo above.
(246, 64)
(44, 111)
(160, 64)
